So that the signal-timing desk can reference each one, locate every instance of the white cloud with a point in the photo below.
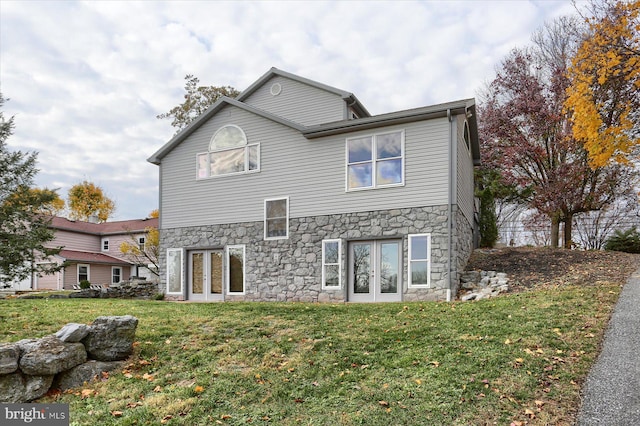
(86, 79)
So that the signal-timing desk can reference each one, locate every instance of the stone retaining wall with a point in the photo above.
(74, 355)
(133, 289)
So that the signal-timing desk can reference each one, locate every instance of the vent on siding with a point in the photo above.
(276, 88)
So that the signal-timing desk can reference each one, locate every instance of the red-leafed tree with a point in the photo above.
(526, 134)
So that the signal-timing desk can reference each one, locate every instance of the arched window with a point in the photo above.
(229, 153)
(467, 137)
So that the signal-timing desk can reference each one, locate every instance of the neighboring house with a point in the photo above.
(91, 251)
(293, 191)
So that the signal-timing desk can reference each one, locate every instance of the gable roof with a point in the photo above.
(210, 112)
(348, 97)
(366, 120)
(105, 228)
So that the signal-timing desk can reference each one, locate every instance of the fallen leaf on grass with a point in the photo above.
(116, 413)
(86, 393)
(383, 403)
(198, 389)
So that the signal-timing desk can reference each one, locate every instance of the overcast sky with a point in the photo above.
(86, 79)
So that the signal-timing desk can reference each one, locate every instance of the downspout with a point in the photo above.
(449, 200)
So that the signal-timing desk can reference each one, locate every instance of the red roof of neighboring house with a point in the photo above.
(90, 257)
(105, 228)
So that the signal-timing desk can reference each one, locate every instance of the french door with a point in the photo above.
(374, 271)
(206, 275)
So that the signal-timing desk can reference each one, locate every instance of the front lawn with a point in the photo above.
(519, 358)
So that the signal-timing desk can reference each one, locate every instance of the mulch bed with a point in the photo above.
(529, 267)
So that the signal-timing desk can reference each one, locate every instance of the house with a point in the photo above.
(293, 191)
(91, 251)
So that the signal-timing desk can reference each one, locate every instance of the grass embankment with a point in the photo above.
(519, 358)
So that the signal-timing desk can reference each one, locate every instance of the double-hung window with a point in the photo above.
(276, 218)
(105, 244)
(116, 274)
(229, 153)
(375, 161)
(331, 253)
(419, 260)
(83, 273)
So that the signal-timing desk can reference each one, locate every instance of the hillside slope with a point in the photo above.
(529, 267)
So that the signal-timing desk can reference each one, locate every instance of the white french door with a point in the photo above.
(206, 275)
(374, 271)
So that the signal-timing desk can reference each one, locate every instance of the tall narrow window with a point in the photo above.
(174, 270)
(375, 161)
(141, 242)
(83, 273)
(105, 244)
(236, 269)
(116, 274)
(331, 254)
(229, 153)
(419, 260)
(276, 218)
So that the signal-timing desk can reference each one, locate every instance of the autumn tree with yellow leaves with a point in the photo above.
(604, 93)
(87, 200)
(147, 253)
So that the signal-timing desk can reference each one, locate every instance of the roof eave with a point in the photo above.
(400, 117)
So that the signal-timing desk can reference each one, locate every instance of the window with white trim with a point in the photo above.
(420, 260)
(116, 274)
(174, 271)
(331, 255)
(229, 153)
(105, 244)
(83, 273)
(375, 161)
(276, 218)
(466, 136)
(236, 269)
(141, 242)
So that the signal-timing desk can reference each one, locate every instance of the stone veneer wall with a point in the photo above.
(463, 246)
(291, 269)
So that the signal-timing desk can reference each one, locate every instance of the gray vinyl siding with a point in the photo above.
(464, 173)
(310, 172)
(299, 102)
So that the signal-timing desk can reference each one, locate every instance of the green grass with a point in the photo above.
(517, 358)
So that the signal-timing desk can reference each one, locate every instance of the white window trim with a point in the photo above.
(104, 240)
(284, 237)
(331, 287)
(113, 268)
(466, 140)
(78, 271)
(246, 147)
(428, 260)
(228, 269)
(142, 245)
(181, 270)
(374, 161)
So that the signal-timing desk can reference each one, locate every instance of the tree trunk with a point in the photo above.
(555, 231)
(567, 231)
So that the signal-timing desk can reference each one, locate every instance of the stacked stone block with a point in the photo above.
(74, 355)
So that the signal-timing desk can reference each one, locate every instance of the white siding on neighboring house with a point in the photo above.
(310, 172)
(75, 241)
(298, 102)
